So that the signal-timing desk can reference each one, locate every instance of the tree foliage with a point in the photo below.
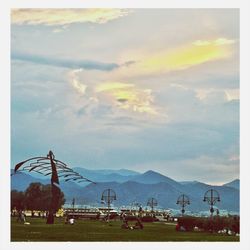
(36, 197)
(17, 200)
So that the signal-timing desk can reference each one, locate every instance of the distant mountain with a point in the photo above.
(123, 172)
(152, 177)
(129, 192)
(229, 196)
(20, 181)
(137, 187)
(234, 184)
(164, 193)
(187, 182)
(121, 175)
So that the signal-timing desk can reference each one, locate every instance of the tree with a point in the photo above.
(46, 198)
(17, 200)
(38, 197)
(33, 196)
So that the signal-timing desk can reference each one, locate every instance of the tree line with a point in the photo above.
(36, 197)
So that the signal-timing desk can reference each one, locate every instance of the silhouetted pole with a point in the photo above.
(108, 196)
(152, 202)
(73, 205)
(183, 210)
(55, 190)
(108, 203)
(211, 197)
(183, 200)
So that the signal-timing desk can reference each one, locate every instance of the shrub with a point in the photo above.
(211, 224)
(187, 222)
(148, 219)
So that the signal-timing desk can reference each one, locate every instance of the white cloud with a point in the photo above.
(76, 83)
(216, 42)
(65, 16)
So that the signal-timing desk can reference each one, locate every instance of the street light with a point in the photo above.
(152, 202)
(183, 200)
(108, 196)
(211, 197)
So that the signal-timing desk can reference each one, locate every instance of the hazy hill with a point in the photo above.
(137, 187)
(234, 184)
(21, 180)
(165, 194)
(152, 177)
(108, 175)
(229, 196)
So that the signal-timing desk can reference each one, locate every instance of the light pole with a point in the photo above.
(108, 196)
(183, 200)
(73, 206)
(211, 197)
(152, 202)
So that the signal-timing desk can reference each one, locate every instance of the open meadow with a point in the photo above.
(92, 230)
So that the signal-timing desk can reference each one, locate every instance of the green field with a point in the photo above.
(88, 230)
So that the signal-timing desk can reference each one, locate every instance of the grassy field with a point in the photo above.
(86, 230)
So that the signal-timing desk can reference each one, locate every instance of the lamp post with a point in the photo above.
(183, 200)
(152, 202)
(108, 196)
(211, 197)
(73, 206)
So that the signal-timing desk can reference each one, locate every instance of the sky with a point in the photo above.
(141, 89)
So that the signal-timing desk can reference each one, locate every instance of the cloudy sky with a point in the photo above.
(133, 88)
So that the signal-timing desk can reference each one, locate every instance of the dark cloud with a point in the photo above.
(128, 63)
(65, 63)
(122, 100)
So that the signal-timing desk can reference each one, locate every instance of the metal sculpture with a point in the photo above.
(108, 196)
(211, 197)
(49, 166)
(183, 200)
(152, 202)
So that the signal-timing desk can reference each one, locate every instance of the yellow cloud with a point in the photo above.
(113, 86)
(65, 16)
(179, 58)
(183, 58)
(127, 96)
(217, 42)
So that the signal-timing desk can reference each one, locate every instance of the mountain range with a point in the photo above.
(131, 186)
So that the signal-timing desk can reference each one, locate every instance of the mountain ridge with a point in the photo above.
(235, 184)
(163, 188)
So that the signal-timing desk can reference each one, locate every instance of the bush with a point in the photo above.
(149, 219)
(211, 224)
(187, 222)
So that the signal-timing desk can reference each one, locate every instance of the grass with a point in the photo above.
(88, 230)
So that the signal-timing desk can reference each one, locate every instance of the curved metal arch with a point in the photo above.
(183, 200)
(50, 166)
(108, 195)
(211, 196)
(42, 165)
